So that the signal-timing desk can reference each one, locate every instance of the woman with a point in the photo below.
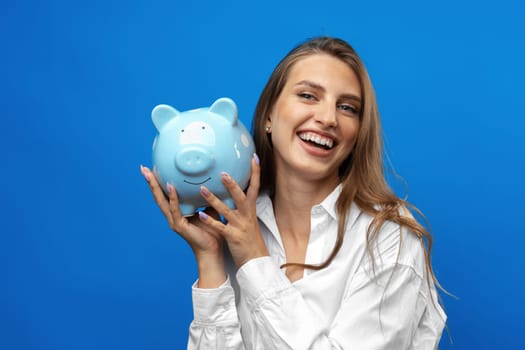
(325, 256)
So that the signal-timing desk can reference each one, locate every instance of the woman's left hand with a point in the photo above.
(242, 232)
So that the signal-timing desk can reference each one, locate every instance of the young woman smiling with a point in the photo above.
(321, 254)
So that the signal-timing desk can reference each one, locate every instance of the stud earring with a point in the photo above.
(268, 129)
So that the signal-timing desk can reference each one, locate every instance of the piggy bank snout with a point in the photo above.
(193, 160)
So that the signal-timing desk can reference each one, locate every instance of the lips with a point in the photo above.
(321, 141)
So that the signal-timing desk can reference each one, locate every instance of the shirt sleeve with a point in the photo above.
(215, 324)
(382, 312)
(282, 318)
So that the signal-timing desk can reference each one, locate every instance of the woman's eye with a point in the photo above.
(306, 96)
(348, 108)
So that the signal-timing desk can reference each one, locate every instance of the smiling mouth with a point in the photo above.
(316, 140)
(197, 183)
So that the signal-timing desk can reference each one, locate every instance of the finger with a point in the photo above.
(255, 179)
(174, 208)
(215, 202)
(235, 190)
(213, 226)
(156, 190)
(212, 212)
(196, 221)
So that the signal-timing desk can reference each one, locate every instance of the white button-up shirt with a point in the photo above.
(351, 304)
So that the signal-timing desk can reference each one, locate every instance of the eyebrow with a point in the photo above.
(319, 87)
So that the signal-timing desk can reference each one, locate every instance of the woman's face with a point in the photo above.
(315, 121)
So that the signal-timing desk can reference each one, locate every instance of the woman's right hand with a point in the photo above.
(206, 245)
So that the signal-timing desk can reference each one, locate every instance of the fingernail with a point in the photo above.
(203, 215)
(256, 157)
(168, 187)
(226, 177)
(204, 191)
(144, 172)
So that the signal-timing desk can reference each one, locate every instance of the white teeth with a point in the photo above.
(312, 137)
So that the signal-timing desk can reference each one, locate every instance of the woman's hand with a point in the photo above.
(205, 243)
(242, 232)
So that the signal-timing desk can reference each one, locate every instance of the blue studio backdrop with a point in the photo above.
(87, 260)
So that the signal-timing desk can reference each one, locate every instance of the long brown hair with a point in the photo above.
(362, 173)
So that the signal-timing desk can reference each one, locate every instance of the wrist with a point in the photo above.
(212, 273)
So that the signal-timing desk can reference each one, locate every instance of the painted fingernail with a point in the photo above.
(256, 157)
(203, 215)
(168, 187)
(226, 177)
(204, 191)
(144, 172)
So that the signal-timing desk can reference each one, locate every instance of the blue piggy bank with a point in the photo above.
(192, 148)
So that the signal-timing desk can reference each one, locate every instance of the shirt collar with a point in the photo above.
(265, 206)
(329, 203)
(326, 207)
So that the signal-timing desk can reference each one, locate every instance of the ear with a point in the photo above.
(162, 114)
(226, 108)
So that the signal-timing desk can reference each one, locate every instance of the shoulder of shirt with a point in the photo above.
(395, 244)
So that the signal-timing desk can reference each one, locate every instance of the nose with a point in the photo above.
(327, 115)
(193, 160)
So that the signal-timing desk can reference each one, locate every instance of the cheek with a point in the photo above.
(287, 113)
(350, 130)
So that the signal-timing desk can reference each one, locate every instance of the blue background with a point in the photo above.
(87, 260)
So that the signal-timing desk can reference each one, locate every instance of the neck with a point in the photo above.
(293, 201)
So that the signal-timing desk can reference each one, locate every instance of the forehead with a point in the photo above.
(325, 70)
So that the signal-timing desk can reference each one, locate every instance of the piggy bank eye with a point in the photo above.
(181, 130)
(203, 127)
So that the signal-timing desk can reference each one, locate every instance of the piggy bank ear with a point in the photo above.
(226, 108)
(162, 114)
